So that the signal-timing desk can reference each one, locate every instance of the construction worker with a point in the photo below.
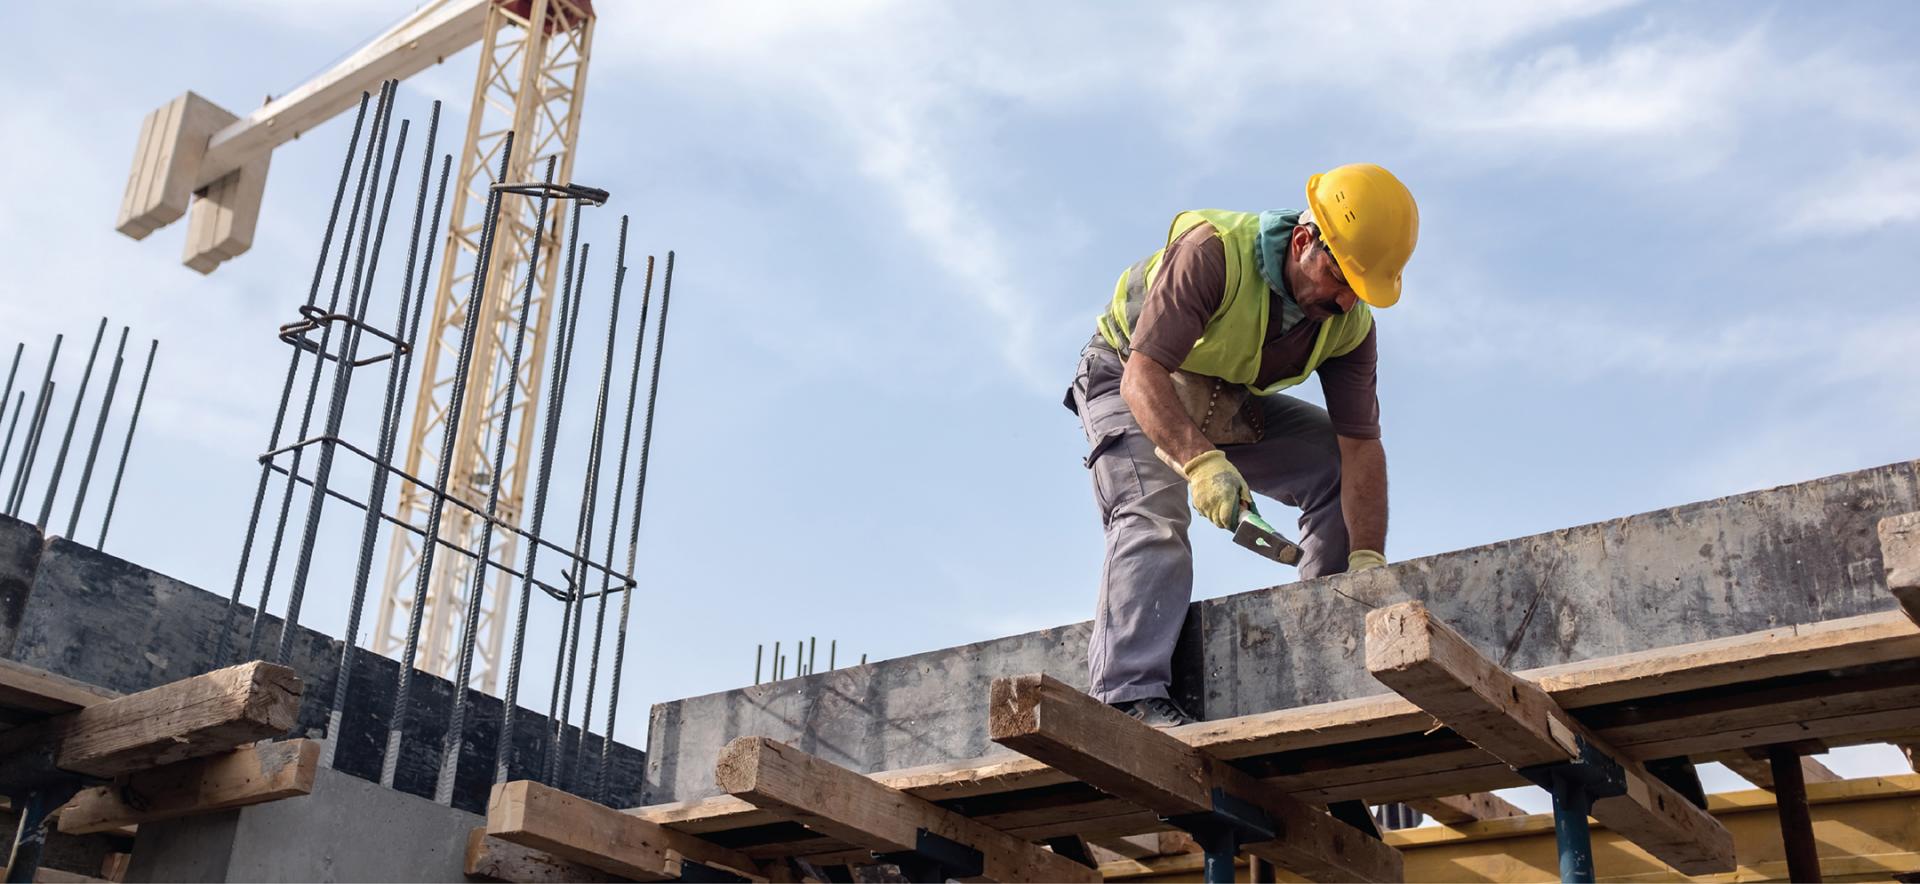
(1177, 394)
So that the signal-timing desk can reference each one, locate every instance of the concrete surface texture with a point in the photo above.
(1795, 554)
(347, 830)
(106, 621)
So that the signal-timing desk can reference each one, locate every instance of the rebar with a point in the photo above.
(359, 297)
(402, 700)
(35, 428)
(19, 405)
(398, 369)
(583, 537)
(363, 193)
(73, 420)
(286, 393)
(619, 489)
(457, 718)
(556, 398)
(566, 605)
(99, 431)
(126, 447)
(18, 350)
(639, 500)
(26, 446)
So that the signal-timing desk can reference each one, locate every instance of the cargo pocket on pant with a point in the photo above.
(1106, 440)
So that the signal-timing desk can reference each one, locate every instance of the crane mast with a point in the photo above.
(531, 79)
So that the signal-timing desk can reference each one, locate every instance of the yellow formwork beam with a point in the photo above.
(1867, 829)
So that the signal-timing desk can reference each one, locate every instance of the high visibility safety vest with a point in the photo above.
(1230, 346)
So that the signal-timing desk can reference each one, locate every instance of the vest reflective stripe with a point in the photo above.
(1231, 344)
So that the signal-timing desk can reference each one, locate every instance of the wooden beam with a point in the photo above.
(250, 775)
(1045, 719)
(31, 690)
(186, 719)
(1900, 552)
(1453, 810)
(838, 802)
(1314, 743)
(1427, 662)
(573, 828)
(496, 859)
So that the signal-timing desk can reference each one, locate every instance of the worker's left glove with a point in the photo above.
(1364, 559)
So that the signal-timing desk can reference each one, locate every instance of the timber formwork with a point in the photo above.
(1613, 737)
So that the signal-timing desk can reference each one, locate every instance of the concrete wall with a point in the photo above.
(1795, 554)
(78, 612)
(347, 830)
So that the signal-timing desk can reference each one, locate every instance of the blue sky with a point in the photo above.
(1667, 255)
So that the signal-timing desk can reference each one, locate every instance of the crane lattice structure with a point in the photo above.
(197, 159)
(532, 76)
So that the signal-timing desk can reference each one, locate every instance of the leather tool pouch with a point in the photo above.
(1225, 412)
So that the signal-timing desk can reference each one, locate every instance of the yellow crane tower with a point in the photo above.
(197, 159)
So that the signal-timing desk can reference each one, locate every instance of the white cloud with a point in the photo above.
(1859, 197)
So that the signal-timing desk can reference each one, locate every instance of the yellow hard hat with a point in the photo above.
(1370, 223)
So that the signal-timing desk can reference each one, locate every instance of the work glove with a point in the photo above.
(1363, 559)
(1219, 491)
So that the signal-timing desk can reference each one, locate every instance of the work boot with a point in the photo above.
(1159, 712)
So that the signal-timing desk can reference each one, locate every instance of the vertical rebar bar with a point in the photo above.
(639, 500)
(37, 427)
(19, 405)
(286, 393)
(18, 350)
(457, 719)
(832, 646)
(456, 399)
(556, 399)
(99, 430)
(613, 524)
(26, 445)
(566, 607)
(359, 297)
(73, 420)
(400, 366)
(365, 191)
(583, 536)
(758, 651)
(126, 447)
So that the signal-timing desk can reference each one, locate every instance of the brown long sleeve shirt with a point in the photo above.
(1188, 290)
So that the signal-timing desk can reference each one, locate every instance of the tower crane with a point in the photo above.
(197, 159)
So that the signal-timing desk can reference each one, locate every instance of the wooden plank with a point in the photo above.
(33, 690)
(250, 775)
(845, 805)
(186, 719)
(1430, 664)
(1048, 720)
(1453, 810)
(1900, 552)
(497, 859)
(573, 828)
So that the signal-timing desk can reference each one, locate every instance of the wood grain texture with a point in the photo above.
(1453, 810)
(855, 809)
(249, 775)
(31, 690)
(497, 859)
(1049, 720)
(1430, 664)
(573, 828)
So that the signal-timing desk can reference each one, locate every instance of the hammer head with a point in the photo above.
(1255, 534)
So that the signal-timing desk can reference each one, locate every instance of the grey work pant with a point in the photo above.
(1147, 581)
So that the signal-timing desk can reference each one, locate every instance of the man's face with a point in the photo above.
(1318, 286)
